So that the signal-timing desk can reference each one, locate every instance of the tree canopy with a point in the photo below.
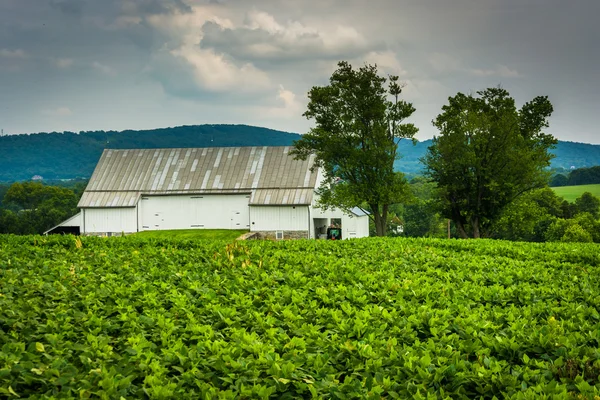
(358, 124)
(487, 154)
(32, 208)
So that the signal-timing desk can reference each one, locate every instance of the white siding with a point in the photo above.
(352, 226)
(349, 227)
(362, 226)
(75, 220)
(279, 218)
(216, 211)
(114, 220)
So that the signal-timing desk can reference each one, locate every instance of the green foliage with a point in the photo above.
(583, 228)
(529, 216)
(487, 155)
(422, 220)
(31, 207)
(559, 180)
(540, 216)
(577, 177)
(584, 176)
(588, 203)
(590, 224)
(375, 318)
(575, 233)
(359, 121)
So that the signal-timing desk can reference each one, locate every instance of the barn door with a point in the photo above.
(156, 221)
(236, 220)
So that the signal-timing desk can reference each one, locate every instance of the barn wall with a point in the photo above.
(109, 220)
(362, 226)
(279, 218)
(194, 212)
(75, 220)
(353, 226)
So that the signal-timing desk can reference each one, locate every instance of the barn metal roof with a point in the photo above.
(269, 173)
(281, 197)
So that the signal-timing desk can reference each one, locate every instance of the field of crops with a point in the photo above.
(129, 317)
(570, 193)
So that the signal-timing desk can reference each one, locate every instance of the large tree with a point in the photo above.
(487, 154)
(358, 124)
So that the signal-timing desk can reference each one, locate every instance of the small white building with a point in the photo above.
(261, 189)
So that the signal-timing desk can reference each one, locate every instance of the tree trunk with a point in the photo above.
(461, 229)
(380, 218)
(475, 225)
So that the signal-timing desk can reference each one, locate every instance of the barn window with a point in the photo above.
(279, 235)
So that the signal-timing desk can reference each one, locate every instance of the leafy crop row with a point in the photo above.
(375, 318)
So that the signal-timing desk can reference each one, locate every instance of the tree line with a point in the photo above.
(538, 216)
(70, 155)
(579, 176)
(33, 208)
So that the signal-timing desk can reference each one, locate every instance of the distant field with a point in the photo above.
(214, 234)
(570, 193)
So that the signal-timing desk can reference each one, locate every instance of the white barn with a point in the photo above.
(261, 189)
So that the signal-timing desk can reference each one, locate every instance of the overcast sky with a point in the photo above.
(137, 64)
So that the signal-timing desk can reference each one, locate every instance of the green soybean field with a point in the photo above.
(135, 317)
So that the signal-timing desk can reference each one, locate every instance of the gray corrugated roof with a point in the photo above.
(121, 176)
(281, 197)
(358, 212)
(109, 199)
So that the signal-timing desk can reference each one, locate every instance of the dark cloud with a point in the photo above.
(288, 45)
(71, 7)
(154, 7)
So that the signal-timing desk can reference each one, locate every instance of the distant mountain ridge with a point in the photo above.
(568, 155)
(71, 155)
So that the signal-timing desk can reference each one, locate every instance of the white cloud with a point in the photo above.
(63, 62)
(262, 37)
(18, 53)
(501, 70)
(289, 106)
(213, 71)
(105, 69)
(186, 28)
(262, 20)
(58, 112)
(387, 61)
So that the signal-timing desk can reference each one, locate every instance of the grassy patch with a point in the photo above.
(213, 234)
(570, 193)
